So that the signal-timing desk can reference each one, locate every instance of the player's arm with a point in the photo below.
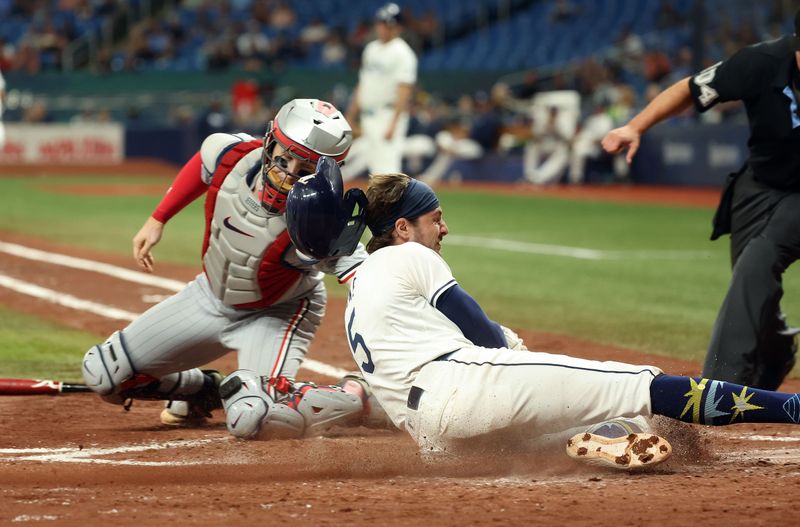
(457, 305)
(353, 109)
(186, 187)
(740, 77)
(404, 92)
(344, 267)
(191, 182)
(668, 103)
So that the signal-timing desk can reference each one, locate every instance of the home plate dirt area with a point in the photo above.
(75, 460)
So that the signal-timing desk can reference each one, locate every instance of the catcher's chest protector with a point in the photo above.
(244, 249)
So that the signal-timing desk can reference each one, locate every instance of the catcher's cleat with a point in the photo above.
(178, 413)
(632, 452)
(197, 407)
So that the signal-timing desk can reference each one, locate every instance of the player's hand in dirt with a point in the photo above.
(147, 237)
(618, 139)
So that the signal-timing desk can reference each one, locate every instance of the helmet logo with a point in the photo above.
(325, 108)
(306, 179)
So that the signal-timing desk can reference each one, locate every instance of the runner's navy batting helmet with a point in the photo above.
(323, 221)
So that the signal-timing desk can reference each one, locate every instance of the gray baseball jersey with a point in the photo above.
(256, 295)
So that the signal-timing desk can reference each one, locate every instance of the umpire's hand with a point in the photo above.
(147, 237)
(618, 139)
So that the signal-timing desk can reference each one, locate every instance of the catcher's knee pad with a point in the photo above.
(250, 413)
(106, 366)
(324, 407)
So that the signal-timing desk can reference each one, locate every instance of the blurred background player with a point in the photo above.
(257, 294)
(760, 206)
(380, 101)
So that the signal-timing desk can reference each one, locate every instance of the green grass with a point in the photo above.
(31, 347)
(640, 301)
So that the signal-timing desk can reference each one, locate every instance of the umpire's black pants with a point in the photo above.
(749, 343)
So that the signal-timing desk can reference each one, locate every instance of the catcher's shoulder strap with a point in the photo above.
(223, 169)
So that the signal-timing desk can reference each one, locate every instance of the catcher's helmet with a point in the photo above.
(322, 220)
(306, 129)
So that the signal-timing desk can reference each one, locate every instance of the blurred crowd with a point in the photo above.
(556, 118)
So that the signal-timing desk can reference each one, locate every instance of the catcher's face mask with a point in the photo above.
(281, 170)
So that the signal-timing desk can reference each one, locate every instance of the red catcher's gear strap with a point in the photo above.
(187, 186)
(224, 168)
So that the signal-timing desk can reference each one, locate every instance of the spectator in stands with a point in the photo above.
(564, 10)
(530, 85)
(252, 44)
(213, 119)
(6, 55)
(477, 135)
(38, 112)
(426, 26)
(668, 16)
(334, 50)
(314, 33)
(356, 41)
(282, 17)
(657, 65)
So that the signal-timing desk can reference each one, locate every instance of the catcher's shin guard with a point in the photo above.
(325, 407)
(250, 412)
(106, 368)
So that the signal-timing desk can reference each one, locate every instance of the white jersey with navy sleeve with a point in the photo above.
(391, 304)
(449, 393)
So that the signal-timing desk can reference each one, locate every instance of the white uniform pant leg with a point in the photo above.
(518, 396)
(180, 333)
(274, 341)
(384, 157)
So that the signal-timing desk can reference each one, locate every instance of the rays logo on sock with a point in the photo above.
(695, 395)
(741, 404)
(711, 408)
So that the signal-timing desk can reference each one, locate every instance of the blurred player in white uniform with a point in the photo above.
(381, 98)
(257, 294)
(451, 377)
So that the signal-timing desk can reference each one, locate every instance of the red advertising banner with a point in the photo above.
(84, 144)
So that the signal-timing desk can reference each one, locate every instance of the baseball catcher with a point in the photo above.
(257, 295)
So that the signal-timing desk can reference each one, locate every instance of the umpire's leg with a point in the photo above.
(745, 347)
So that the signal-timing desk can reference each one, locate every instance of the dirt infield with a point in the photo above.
(74, 460)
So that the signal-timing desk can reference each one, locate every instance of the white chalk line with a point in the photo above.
(66, 300)
(94, 454)
(90, 265)
(580, 253)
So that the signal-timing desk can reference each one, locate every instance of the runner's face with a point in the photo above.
(429, 229)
